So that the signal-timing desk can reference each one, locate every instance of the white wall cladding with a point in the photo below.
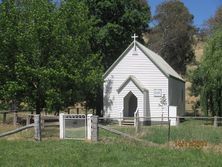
(145, 71)
(134, 89)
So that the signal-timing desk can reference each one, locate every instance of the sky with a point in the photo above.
(201, 9)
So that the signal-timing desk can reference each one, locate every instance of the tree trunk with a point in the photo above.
(99, 102)
(38, 106)
(39, 101)
(14, 105)
(211, 104)
(57, 110)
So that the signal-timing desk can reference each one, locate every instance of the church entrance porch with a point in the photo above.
(132, 97)
(130, 105)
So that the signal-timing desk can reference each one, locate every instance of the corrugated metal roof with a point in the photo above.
(155, 58)
(159, 61)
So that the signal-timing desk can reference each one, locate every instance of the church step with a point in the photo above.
(128, 122)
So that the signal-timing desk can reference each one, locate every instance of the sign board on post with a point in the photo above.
(173, 115)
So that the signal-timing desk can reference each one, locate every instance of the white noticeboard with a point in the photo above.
(173, 115)
(157, 92)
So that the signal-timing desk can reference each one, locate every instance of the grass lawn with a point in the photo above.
(80, 153)
(189, 130)
(113, 150)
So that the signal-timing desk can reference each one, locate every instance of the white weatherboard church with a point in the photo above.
(137, 80)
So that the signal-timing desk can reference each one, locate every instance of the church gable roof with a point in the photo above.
(132, 78)
(155, 58)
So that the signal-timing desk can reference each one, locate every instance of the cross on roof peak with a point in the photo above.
(134, 40)
(134, 37)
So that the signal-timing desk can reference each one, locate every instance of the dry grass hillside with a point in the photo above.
(191, 100)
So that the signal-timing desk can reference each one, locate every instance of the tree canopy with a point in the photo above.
(115, 22)
(52, 55)
(216, 21)
(207, 78)
(172, 36)
(45, 54)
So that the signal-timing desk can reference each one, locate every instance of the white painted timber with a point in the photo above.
(89, 124)
(146, 72)
(173, 115)
(131, 87)
(149, 72)
(61, 126)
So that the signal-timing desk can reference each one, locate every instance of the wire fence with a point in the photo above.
(180, 131)
(189, 131)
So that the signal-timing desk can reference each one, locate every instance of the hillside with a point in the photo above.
(191, 100)
(198, 51)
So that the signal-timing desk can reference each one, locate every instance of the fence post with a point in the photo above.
(4, 117)
(15, 118)
(161, 118)
(43, 122)
(177, 120)
(89, 124)
(168, 138)
(136, 124)
(94, 129)
(37, 127)
(120, 118)
(136, 120)
(28, 119)
(61, 125)
(215, 121)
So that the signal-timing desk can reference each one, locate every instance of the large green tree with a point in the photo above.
(172, 35)
(207, 78)
(115, 22)
(9, 23)
(46, 58)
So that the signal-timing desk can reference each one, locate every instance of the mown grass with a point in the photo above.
(77, 153)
